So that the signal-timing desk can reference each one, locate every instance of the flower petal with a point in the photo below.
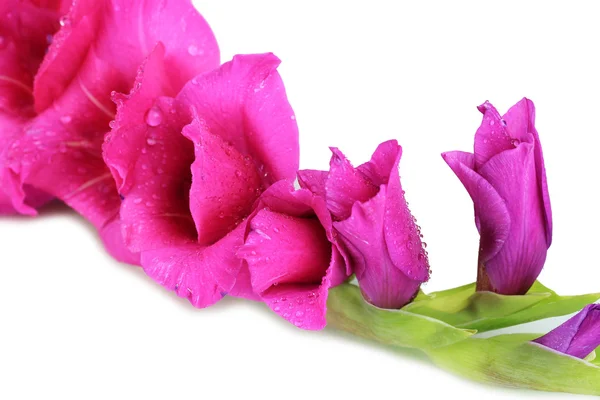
(491, 212)
(202, 274)
(520, 121)
(292, 254)
(313, 180)
(383, 283)
(225, 184)
(304, 305)
(579, 336)
(345, 186)
(520, 260)
(24, 33)
(402, 235)
(125, 27)
(282, 249)
(382, 163)
(150, 161)
(491, 137)
(244, 102)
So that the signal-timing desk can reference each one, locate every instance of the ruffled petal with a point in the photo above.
(345, 186)
(202, 274)
(520, 260)
(491, 211)
(150, 160)
(492, 136)
(245, 103)
(281, 249)
(304, 305)
(579, 336)
(290, 254)
(25, 32)
(313, 180)
(382, 282)
(382, 163)
(225, 184)
(123, 32)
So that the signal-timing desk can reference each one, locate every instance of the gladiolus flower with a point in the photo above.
(189, 169)
(506, 179)
(372, 217)
(98, 49)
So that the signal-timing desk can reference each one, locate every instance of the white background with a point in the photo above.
(75, 324)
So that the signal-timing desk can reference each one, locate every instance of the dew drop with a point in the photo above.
(492, 122)
(65, 21)
(238, 173)
(65, 119)
(154, 117)
(49, 39)
(515, 142)
(299, 313)
(193, 50)
(2, 42)
(137, 201)
(151, 142)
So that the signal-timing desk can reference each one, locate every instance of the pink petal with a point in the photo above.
(382, 282)
(150, 161)
(383, 161)
(402, 235)
(520, 120)
(492, 136)
(225, 184)
(290, 255)
(491, 212)
(24, 32)
(245, 103)
(202, 274)
(304, 305)
(345, 186)
(518, 263)
(281, 249)
(313, 180)
(119, 27)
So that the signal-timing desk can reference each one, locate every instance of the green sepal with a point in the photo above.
(463, 307)
(347, 311)
(513, 361)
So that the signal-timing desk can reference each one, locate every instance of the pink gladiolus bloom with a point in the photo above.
(97, 50)
(292, 254)
(189, 169)
(374, 222)
(26, 29)
(506, 179)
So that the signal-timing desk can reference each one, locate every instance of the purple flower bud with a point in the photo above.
(374, 223)
(506, 179)
(577, 337)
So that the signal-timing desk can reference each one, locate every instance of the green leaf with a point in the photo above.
(463, 307)
(513, 361)
(347, 310)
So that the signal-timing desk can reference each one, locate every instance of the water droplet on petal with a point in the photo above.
(2, 42)
(65, 119)
(137, 201)
(515, 142)
(151, 142)
(154, 117)
(65, 21)
(194, 50)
